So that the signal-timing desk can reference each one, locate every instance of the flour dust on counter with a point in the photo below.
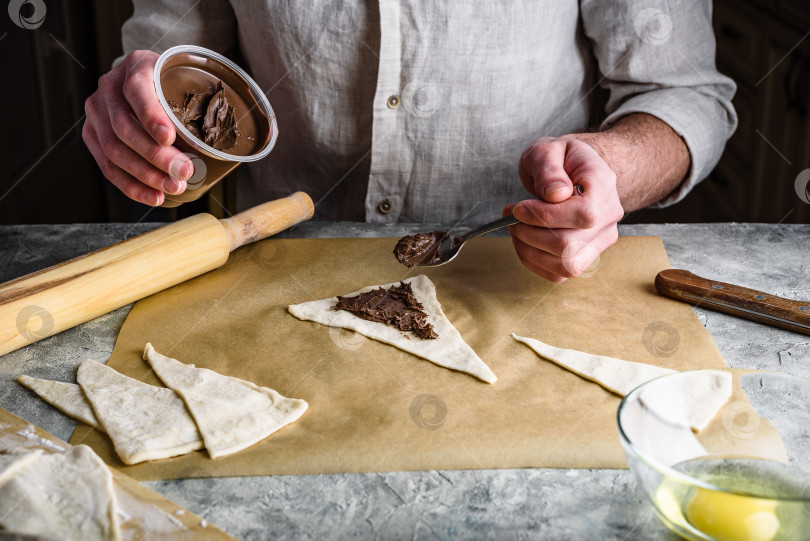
(434, 339)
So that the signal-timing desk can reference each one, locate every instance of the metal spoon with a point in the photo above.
(451, 246)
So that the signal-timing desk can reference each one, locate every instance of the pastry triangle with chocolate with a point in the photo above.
(406, 315)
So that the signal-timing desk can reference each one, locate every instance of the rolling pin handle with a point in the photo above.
(267, 219)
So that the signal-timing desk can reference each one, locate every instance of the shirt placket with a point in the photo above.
(385, 196)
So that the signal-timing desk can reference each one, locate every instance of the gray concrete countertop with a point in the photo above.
(501, 504)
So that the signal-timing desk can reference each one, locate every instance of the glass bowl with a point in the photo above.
(743, 477)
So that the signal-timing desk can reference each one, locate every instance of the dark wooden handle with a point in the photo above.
(736, 300)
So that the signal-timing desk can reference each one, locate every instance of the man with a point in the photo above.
(414, 111)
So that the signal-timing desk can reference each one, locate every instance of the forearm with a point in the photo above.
(650, 160)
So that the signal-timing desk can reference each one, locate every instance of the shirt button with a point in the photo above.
(393, 102)
(385, 206)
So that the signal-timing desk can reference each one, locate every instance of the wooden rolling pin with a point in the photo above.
(49, 301)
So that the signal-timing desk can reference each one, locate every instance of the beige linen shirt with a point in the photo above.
(418, 111)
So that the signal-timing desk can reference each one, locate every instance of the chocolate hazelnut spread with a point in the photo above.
(215, 104)
(396, 307)
(419, 249)
(210, 117)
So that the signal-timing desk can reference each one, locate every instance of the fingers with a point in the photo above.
(576, 212)
(163, 159)
(139, 90)
(576, 258)
(530, 265)
(558, 242)
(597, 205)
(124, 157)
(129, 185)
(558, 253)
(130, 130)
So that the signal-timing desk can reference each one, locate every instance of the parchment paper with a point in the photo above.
(376, 408)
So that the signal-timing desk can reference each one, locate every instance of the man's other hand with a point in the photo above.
(574, 217)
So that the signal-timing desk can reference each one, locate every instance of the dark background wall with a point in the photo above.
(48, 176)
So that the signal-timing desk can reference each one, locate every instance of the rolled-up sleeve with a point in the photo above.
(160, 24)
(660, 61)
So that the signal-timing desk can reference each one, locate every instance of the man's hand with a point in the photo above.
(576, 211)
(130, 135)
(584, 183)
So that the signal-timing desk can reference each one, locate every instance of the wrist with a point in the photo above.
(605, 143)
(649, 158)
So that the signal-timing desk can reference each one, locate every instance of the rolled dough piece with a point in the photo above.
(700, 396)
(613, 374)
(449, 350)
(143, 421)
(231, 414)
(13, 462)
(66, 397)
(67, 495)
(696, 400)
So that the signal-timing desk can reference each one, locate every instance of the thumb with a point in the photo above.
(557, 192)
(542, 171)
(553, 185)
